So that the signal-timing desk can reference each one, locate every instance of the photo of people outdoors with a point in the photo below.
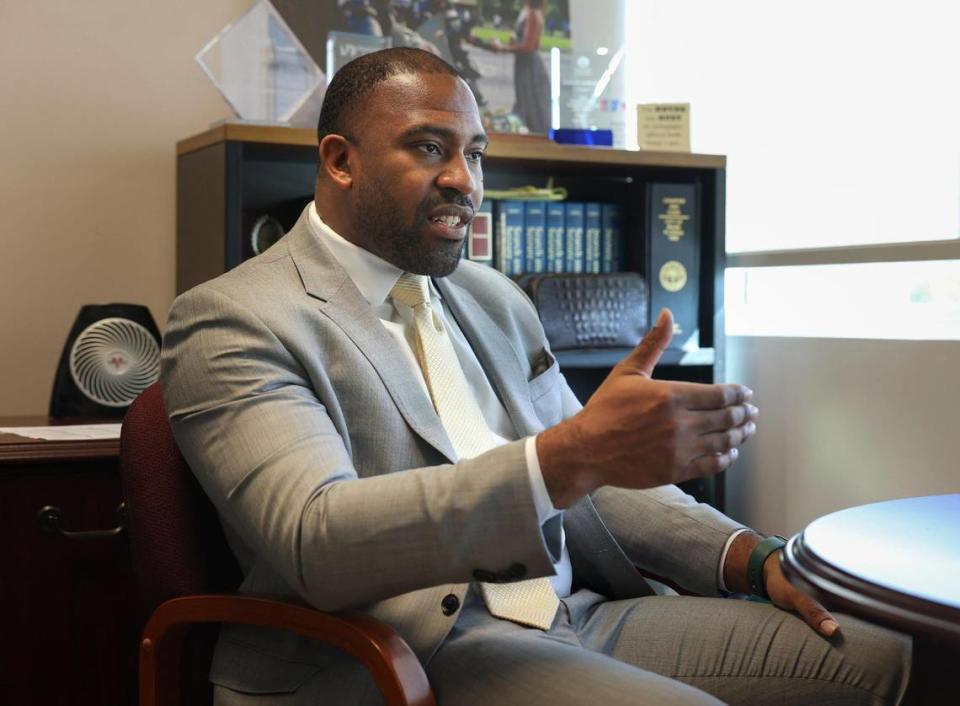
(501, 47)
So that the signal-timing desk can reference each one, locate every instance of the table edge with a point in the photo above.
(839, 589)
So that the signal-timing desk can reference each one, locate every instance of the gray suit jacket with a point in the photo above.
(334, 478)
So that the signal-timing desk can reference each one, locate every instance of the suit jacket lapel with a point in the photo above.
(503, 364)
(324, 279)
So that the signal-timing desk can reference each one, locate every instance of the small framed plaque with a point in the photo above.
(664, 127)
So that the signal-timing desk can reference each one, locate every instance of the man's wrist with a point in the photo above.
(721, 582)
(735, 566)
(566, 477)
(757, 563)
(541, 496)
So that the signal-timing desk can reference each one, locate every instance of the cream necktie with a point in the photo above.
(532, 602)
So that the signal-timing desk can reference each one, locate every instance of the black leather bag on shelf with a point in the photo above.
(590, 310)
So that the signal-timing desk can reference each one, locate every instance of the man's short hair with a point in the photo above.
(355, 81)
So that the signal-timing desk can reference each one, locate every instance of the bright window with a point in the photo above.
(840, 119)
(892, 300)
(841, 125)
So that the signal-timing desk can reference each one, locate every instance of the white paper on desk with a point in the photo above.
(73, 432)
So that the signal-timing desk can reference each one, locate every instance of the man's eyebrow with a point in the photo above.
(440, 131)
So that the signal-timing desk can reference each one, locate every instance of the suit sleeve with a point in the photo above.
(664, 531)
(266, 451)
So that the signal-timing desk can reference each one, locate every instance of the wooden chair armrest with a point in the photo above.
(395, 668)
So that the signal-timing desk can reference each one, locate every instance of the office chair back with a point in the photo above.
(177, 544)
(179, 552)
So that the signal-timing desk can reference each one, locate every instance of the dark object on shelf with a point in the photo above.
(111, 355)
(591, 310)
(673, 228)
(265, 232)
(180, 557)
(575, 136)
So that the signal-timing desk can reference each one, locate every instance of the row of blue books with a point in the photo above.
(547, 236)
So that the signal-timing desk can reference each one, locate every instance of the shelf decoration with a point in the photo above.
(260, 67)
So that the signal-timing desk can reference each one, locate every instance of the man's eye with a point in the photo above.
(430, 148)
(475, 156)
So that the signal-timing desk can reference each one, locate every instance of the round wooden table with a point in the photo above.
(895, 562)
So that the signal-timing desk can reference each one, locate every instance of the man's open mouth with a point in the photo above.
(453, 221)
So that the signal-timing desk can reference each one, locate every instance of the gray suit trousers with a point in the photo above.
(651, 651)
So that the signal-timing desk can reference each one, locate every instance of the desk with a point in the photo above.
(69, 614)
(896, 563)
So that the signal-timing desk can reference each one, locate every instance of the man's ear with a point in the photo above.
(335, 160)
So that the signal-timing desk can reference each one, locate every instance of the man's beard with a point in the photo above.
(405, 245)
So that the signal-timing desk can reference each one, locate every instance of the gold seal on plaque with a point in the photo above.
(673, 276)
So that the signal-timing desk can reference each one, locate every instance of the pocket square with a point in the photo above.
(542, 363)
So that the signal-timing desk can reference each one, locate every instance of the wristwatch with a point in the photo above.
(755, 564)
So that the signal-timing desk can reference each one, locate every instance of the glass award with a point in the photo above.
(590, 92)
(260, 67)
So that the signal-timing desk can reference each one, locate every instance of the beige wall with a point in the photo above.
(842, 423)
(93, 97)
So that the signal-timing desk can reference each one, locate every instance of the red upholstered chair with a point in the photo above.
(187, 575)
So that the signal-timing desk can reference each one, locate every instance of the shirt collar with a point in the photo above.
(373, 276)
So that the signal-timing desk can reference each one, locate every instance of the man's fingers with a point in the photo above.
(727, 418)
(816, 616)
(723, 441)
(711, 464)
(644, 357)
(697, 396)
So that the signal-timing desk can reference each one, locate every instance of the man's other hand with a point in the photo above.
(636, 432)
(784, 594)
(781, 592)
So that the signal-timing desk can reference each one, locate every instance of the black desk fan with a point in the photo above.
(111, 355)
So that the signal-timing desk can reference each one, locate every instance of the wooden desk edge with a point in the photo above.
(30, 451)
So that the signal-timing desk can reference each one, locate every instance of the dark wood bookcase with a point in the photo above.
(230, 175)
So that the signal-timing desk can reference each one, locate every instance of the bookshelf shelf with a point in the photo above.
(508, 148)
(608, 357)
(233, 174)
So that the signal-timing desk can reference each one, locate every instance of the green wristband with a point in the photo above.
(755, 564)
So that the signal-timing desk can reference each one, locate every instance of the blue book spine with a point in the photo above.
(535, 240)
(592, 235)
(511, 243)
(501, 242)
(573, 239)
(611, 257)
(555, 235)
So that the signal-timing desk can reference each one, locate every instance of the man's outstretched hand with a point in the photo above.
(636, 432)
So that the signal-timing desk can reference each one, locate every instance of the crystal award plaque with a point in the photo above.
(260, 67)
(591, 95)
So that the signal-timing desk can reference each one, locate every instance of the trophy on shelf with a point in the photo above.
(263, 71)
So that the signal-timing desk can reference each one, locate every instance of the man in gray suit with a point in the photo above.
(382, 426)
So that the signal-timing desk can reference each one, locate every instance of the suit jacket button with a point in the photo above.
(449, 604)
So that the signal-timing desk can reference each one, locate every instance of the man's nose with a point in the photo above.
(460, 175)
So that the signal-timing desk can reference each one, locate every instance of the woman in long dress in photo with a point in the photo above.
(530, 81)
